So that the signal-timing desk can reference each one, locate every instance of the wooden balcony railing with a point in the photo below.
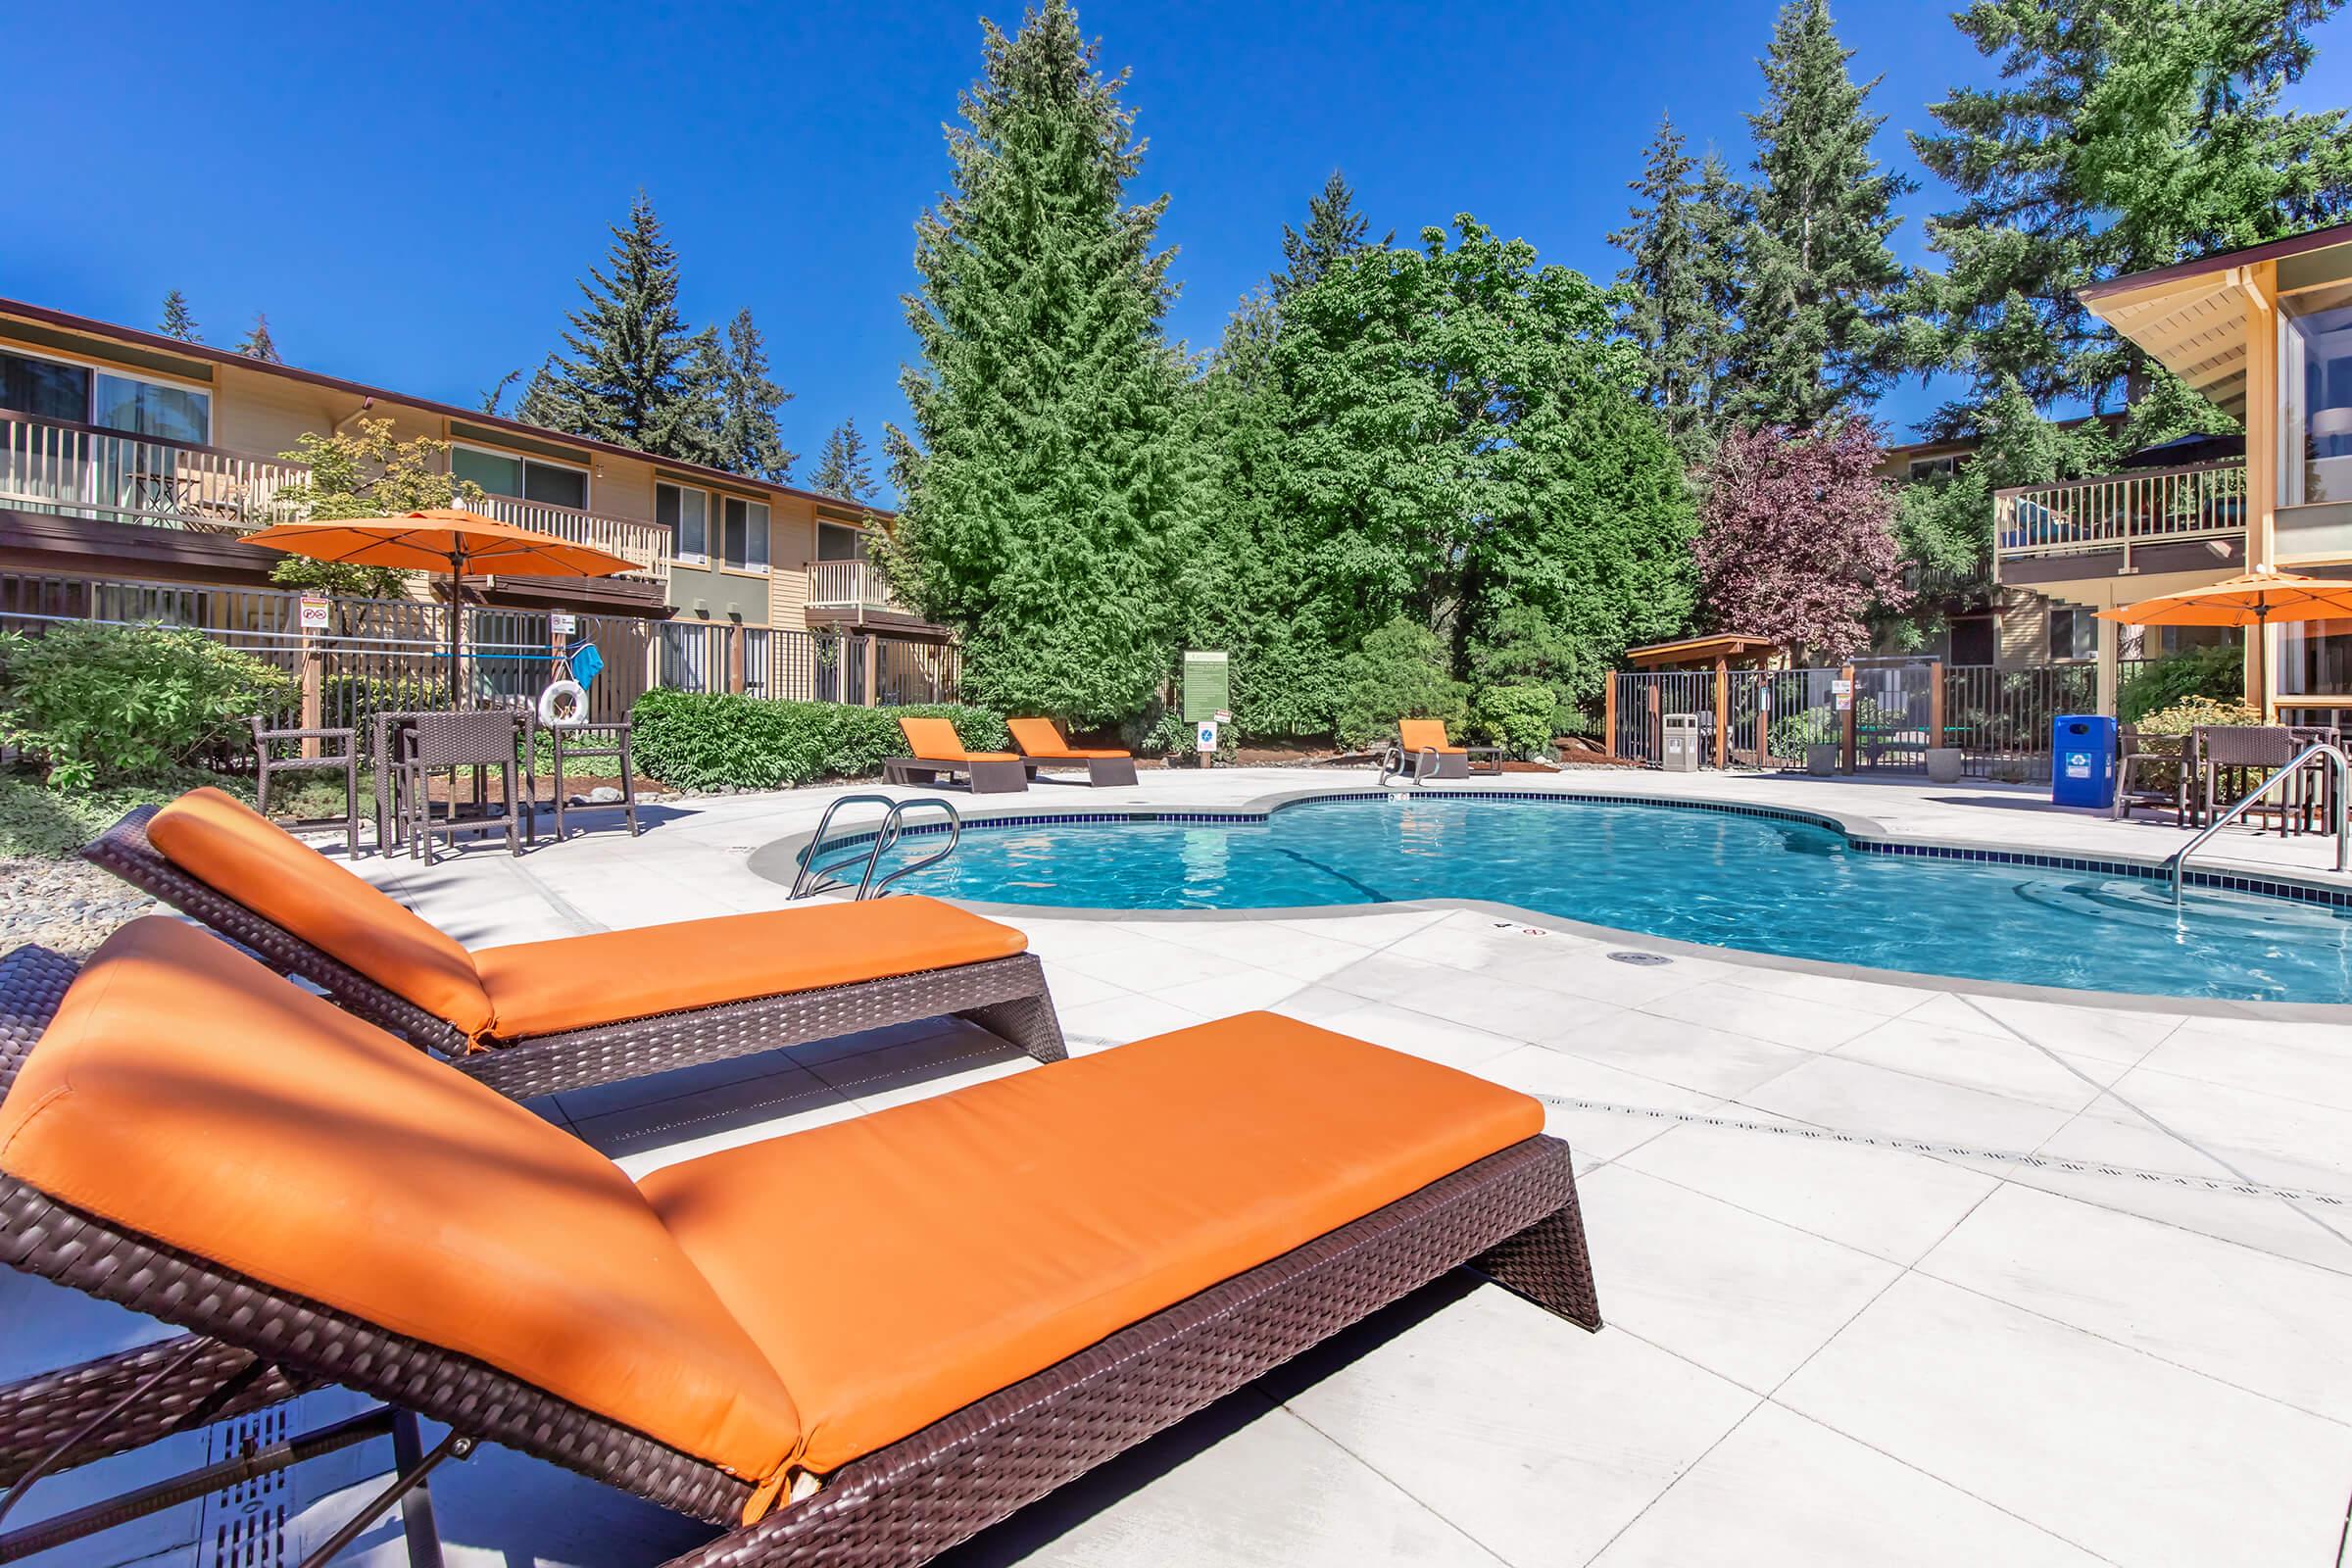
(2153, 506)
(849, 585)
(80, 470)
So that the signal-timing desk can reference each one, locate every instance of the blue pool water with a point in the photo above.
(1715, 877)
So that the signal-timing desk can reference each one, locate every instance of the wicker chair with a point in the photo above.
(2251, 752)
(2142, 754)
(265, 740)
(1511, 1214)
(578, 743)
(475, 738)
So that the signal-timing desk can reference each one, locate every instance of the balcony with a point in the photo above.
(850, 585)
(2150, 520)
(75, 470)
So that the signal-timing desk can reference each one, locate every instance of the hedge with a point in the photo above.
(719, 741)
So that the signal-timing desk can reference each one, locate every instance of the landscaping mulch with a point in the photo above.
(67, 905)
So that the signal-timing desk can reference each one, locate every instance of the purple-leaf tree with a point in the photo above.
(1796, 540)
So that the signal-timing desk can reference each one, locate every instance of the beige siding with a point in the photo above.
(791, 547)
(2023, 631)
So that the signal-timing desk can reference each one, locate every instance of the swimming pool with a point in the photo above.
(1728, 879)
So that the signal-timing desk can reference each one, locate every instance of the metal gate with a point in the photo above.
(1645, 700)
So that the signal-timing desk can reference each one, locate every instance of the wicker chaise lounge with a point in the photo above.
(862, 1380)
(536, 1018)
(1416, 736)
(939, 754)
(1044, 746)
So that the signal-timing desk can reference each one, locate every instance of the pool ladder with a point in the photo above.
(1392, 766)
(812, 878)
(2339, 766)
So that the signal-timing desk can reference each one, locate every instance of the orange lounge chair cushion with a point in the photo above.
(1042, 738)
(188, 1094)
(541, 988)
(232, 849)
(1426, 735)
(934, 1253)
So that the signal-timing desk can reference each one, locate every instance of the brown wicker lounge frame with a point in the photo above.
(1512, 1215)
(983, 776)
(1007, 996)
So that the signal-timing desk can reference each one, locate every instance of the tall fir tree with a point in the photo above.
(841, 468)
(2121, 136)
(1051, 494)
(634, 374)
(739, 403)
(1668, 311)
(257, 343)
(1818, 329)
(1334, 229)
(179, 321)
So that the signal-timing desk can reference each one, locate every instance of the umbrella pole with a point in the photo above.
(2262, 661)
(457, 622)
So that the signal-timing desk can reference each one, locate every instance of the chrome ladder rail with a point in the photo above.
(1392, 766)
(812, 878)
(2342, 769)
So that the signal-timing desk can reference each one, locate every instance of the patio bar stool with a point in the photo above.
(612, 746)
(2142, 754)
(265, 741)
(2253, 752)
(480, 739)
(2317, 787)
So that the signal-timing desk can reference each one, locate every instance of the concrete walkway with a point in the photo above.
(1893, 1273)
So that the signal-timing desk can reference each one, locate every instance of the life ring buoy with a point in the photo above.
(563, 705)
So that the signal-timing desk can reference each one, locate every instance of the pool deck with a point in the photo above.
(1893, 1272)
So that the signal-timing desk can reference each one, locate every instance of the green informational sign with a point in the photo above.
(1207, 686)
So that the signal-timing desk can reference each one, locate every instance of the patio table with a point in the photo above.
(386, 729)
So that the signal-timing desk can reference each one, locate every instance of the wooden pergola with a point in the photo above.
(1718, 652)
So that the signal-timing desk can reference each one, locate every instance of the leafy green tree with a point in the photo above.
(2123, 135)
(1673, 309)
(1050, 478)
(1333, 229)
(633, 374)
(179, 321)
(257, 343)
(841, 468)
(1817, 335)
(739, 405)
(365, 471)
(1400, 671)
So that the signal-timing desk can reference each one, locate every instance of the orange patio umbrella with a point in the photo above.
(441, 539)
(2255, 599)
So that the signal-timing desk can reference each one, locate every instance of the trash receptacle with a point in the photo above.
(1679, 752)
(2082, 759)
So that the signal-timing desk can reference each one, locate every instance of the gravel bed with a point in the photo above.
(68, 905)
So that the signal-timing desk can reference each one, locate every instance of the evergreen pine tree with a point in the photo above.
(179, 321)
(1669, 314)
(495, 392)
(539, 404)
(257, 344)
(1818, 335)
(1334, 229)
(1048, 482)
(840, 467)
(739, 405)
(632, 374)
(2123, 135)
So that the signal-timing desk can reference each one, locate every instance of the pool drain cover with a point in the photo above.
(1647, 961)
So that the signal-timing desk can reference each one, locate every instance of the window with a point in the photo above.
(2315, 382)
(500, 473)
(2315, 659)
(686, 514)
(2074, 633)
(836, 541)
(151, 407)
(44, 388)
(1926, 467)
(746, 534)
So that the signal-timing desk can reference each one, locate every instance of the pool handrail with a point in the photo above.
(2342, 767)
(812, 878)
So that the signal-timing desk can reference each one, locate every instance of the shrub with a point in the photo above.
(1398, 672)
(2190, 711)
(718, 740)
(103, 705)
(1519, 718)
(2218, 671)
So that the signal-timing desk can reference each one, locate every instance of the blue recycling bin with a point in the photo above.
(2082, 759)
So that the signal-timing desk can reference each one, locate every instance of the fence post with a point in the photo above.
(735, 656)
(1723, 710)
(314, 689)
(872, 697)
(1653, 727)
(1608, 716)
(1935, 704)
(1853, 709)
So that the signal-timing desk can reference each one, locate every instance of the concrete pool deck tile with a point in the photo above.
(2263, 1324)
(2116, 1034)
(1117, 1020)
(1747, 1298)
(1596, 1136)
(1835, 991)
(2127, 1457)
(1243, 1484)
(1365, 930)
(1994, 1063)
(2304, 1232)
(1882, 1201)
(1440, 1040)
(1220, 996)
(933, 1063)
(1147, 964)
(1836, 1091)
(1782, 1019)
(1265, 944)
(1595, 976)
(1535, 1439)
(2269, 1138)
(2292, 1068)
(1071, 989)
(647, 1137)
(1855, 1506)
(1708, 1061)
(1388, 977)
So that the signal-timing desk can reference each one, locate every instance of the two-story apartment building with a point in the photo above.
(2266, 333)
(132, 457)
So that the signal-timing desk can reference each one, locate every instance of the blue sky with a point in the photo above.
(409, 192)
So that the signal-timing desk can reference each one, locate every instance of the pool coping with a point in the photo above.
(1862, 833)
